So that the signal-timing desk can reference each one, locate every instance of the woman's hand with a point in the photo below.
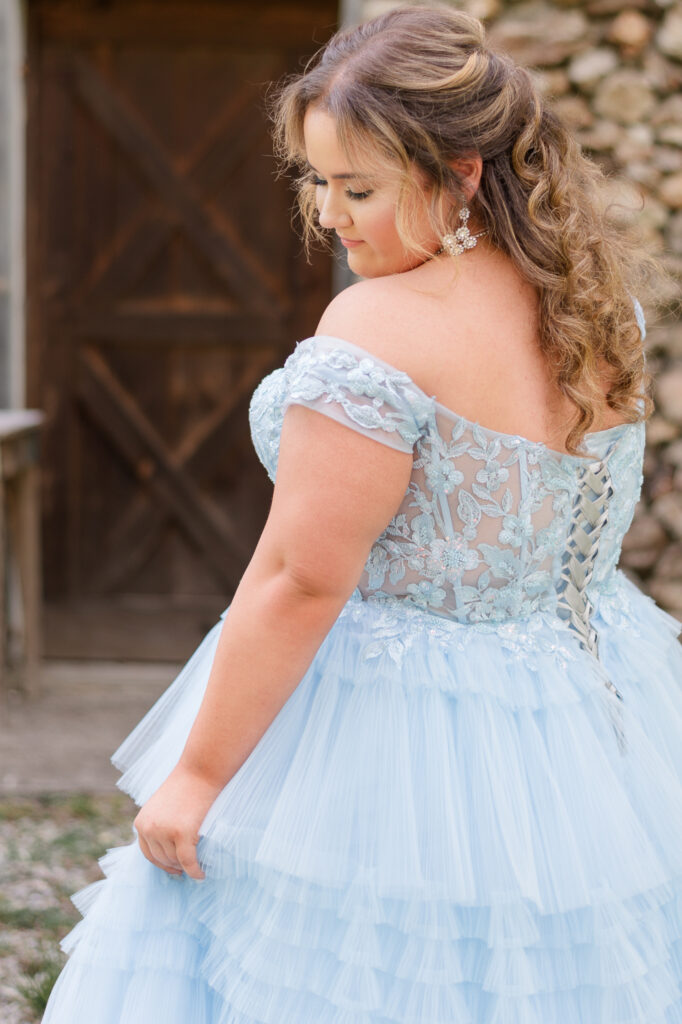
(168, 823)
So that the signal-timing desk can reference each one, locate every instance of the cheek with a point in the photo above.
(383, 227)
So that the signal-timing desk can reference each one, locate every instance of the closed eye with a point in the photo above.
(349, 192)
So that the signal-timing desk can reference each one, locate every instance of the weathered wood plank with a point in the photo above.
(163, 281)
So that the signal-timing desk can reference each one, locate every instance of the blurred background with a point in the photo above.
(149, 278)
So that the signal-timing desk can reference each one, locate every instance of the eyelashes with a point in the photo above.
(349, 192)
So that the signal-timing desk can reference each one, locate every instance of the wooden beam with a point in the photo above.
(117, 414)
(228, 254)
(279, 23)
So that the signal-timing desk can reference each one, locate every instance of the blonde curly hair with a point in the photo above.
(417, 88)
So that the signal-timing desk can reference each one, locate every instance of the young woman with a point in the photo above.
(428, 767)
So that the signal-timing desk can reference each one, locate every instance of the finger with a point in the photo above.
(144, 846)
(167, 848)
(171, 859)
(165, 857)
(186, 853)
(154, 854)
(158, 859)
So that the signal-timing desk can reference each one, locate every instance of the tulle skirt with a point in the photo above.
(445, 824)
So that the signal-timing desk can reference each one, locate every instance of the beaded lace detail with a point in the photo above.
(493, 528)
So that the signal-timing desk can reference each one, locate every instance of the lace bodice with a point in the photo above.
(492, 526)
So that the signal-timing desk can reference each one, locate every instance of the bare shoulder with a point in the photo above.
(446, 327)
(375, 314)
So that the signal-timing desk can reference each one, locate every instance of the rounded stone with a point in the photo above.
(631, 31)
(604, 8)
(669, 111)
(672, 453)
(669, 394)
(670, 190)
(640, 559)
(536, 35)
(668, 594)
(670, 134)
(670, 565)
(668, 510)
(601, 135)
(674, 233)
(662, 74)
(669, 35)
(659, 431)
(550, 81)
(624, 96)
(574, 111)
(375, 8)
(667, 159)
(590, 66)
(645, 532)
(636, 143)
(482, 9)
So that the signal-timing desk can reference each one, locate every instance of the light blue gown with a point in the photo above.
(469, 811)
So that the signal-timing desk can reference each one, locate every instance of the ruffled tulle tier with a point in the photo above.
(243, 957)
(443, 824)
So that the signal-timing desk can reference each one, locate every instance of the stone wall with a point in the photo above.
(614, 72)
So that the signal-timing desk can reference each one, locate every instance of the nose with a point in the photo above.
(331, 213)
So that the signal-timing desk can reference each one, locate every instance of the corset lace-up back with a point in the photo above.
(588, 517)
(493, 528)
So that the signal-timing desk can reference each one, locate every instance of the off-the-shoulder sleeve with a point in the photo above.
(354, 388)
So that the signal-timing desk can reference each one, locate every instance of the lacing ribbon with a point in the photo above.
(588, 518)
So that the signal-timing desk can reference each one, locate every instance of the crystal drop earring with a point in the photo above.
(462, 238)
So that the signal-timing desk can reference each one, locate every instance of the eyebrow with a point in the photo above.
(337, 177)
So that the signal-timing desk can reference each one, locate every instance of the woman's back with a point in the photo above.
(492, 526)
(471, 340)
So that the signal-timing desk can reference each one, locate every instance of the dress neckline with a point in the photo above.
(598, 435)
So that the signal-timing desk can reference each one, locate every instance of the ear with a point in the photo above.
(470, 168)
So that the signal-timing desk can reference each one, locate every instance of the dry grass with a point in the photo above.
(49, 846)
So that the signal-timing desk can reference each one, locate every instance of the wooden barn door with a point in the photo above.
(164, 281)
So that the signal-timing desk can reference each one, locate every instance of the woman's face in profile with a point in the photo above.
(360, 209)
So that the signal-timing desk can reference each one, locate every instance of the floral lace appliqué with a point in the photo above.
(480, 534)
(339, 377)
(395, 624)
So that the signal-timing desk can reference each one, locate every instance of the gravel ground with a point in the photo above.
(49, 845)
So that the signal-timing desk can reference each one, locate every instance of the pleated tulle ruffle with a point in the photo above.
(437, 827)
(241, 955)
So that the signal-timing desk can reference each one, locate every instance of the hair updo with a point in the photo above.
(417, 87)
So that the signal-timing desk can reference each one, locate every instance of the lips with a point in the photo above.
(350, 243)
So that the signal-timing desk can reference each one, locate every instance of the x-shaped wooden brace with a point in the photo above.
(164, 473)
(109, 404)
(227, 253)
